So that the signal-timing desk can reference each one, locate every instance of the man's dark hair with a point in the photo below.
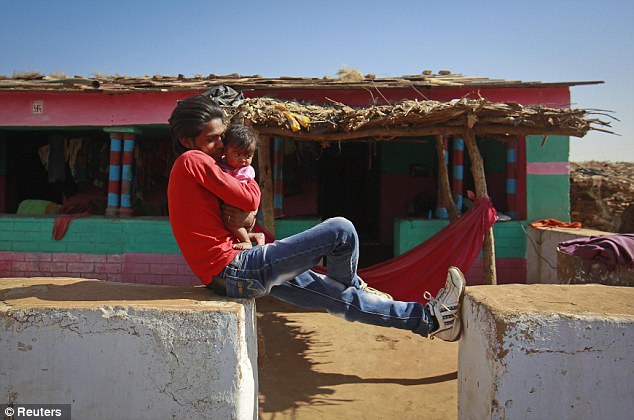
(189, 117)
(241, 137)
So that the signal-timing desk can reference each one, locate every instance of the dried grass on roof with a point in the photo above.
(478, 114)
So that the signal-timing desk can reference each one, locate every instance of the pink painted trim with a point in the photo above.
(104, 109)
(548, 168)
(166, 269)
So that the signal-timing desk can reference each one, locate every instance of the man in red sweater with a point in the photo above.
(197, 190)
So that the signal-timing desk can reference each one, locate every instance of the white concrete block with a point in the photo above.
(115, 350)
(541, 251)
(546, 352)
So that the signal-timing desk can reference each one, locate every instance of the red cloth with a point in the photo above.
(424, 268)
(62, 222)
(197, 187)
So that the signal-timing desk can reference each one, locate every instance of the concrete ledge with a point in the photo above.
(546, 352)
(115, 350)
(541, 251)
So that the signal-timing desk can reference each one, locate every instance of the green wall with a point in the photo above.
(398, 156)
(88, 235)
(509, 238)
(547, 195)
(99, 235)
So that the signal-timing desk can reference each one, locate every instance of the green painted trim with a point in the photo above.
(134, 130)
(555, 149)
(397, 157)
(88, 235)
(288, 227)
(548, 197)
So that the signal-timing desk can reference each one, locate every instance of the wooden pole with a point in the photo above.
(265, 180)
(443, 180)
(477, 169)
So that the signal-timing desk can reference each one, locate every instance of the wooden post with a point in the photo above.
(443, 180)
(265, 180)
(479, 179)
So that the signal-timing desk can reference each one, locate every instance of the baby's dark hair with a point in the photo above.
(241, 137)
(189, 117)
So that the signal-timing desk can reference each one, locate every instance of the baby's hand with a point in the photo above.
(243, 246)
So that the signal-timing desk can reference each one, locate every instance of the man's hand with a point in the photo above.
(233, 216)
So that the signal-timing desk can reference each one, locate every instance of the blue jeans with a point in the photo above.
(282, 269)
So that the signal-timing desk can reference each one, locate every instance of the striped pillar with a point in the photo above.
(278, 177)
(441, 209)
(457, 161)
(511, 179)
(126, 175)
(114, 175)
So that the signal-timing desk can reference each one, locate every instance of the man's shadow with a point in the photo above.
(287, 375)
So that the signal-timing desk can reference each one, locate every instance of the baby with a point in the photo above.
(240, 143)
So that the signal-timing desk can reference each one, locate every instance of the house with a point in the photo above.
(101, 145)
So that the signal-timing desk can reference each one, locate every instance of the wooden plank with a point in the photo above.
(477, 169)
(265, 180)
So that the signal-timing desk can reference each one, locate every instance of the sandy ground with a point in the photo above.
(316, 366)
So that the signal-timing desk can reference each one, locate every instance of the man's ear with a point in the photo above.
(187, 142)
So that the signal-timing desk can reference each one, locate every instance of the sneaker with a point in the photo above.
(445, 307)
(364, 286)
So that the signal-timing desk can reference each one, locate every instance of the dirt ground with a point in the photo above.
(316, 366)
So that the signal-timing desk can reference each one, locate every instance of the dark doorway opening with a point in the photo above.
(349, 186)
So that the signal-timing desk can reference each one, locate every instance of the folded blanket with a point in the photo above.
(611, 250)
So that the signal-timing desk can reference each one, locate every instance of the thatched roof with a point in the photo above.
(421, 82)
(337, 121)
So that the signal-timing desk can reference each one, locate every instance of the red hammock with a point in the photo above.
(424, 268)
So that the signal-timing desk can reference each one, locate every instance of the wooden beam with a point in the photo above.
(477, 169)
(388, 133)
(374, 133)
(265, 180)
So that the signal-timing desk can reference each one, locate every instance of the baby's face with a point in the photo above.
(238, 158)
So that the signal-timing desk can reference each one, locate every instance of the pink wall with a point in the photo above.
(548, 96)
(508, 271)
(397, 191)
(87, 109)
(166, 269)
(112, 109)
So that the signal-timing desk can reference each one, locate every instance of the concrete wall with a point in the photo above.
(541, 250)
(127, 351)
(133, 250)
(546, 352)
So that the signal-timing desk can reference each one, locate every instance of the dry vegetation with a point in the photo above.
(602, 195)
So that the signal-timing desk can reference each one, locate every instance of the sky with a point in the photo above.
(547, 41)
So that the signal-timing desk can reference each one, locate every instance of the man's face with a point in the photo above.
(209, 141)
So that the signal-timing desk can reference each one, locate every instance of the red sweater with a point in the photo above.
(197, 187)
